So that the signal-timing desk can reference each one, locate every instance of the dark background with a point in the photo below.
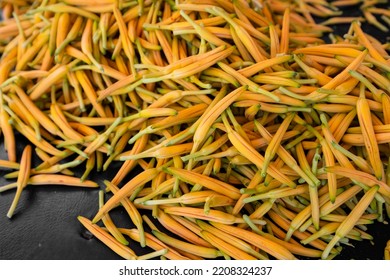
(45, 224)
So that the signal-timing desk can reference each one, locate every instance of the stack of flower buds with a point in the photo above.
(255, 138)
